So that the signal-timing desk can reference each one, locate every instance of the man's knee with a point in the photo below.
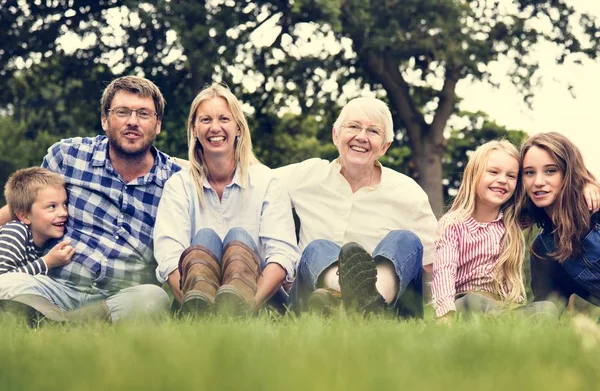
(152, 297)
(140, 300)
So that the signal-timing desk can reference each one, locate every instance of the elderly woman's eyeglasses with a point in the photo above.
(125, 112)
(373, 132)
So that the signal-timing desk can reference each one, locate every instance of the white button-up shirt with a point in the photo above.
(328, 209)
(261, 207)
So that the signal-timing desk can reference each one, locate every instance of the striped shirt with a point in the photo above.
(466, 253)
(110, 221)
(18, 252)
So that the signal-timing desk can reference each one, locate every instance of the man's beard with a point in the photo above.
(119, 147)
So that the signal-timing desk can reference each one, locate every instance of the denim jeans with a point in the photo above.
(143, 299)
(402, 248)
(578, 275)
(209, 239)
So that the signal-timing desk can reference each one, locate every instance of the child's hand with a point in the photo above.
(60, 254)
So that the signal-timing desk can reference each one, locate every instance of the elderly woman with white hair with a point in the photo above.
(365, 230)
(224, 235)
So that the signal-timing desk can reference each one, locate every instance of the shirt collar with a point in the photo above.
(237, 180)
(159, 173)
(474, 225)
(337, 168)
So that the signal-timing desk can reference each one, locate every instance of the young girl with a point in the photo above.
(480, 246)
(565, 256)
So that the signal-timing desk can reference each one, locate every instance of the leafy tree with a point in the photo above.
(419, 50)
(413, 53)
(475, 130)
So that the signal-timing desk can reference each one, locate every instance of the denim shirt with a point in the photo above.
(584, 268)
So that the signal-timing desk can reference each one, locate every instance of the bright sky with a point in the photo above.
(554, 108)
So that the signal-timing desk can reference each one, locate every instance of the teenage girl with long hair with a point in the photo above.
(565, 256)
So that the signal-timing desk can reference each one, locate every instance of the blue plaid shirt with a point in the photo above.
(110, 222)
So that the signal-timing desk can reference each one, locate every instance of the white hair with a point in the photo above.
(368, 108)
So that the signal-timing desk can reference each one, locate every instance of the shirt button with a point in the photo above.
(117, 237)
(121, 216)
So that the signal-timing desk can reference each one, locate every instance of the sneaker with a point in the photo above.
(358, 275)
(324, 301)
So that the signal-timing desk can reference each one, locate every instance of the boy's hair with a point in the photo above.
(135, 85)
(509, 269)
(572, 217)
(22, 187)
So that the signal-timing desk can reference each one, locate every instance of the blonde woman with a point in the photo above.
(224, 233)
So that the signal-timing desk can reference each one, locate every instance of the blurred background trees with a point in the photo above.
(292, 63)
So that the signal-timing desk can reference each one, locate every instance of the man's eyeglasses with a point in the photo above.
(125, 112)
(373, 132)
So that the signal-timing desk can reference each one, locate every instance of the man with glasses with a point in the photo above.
(365, 230)
(114, 184)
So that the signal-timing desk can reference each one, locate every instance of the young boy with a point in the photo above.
(37, 200)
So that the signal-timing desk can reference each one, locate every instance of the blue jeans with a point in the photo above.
(402, 248)
(209, 239)
(138, 300)
(578, 275)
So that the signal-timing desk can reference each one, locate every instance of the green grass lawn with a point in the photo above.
(300, 353)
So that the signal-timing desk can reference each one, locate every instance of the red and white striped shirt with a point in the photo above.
(466, 253)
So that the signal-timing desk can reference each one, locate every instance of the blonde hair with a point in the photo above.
(244, 157)
(509, 269)
(373, 109)
(22, 187)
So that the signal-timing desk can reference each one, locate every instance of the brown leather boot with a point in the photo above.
(200, 278)
(240, 268)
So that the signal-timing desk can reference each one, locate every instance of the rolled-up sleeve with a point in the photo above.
(277, 233)
(445, 265)
(172, 230)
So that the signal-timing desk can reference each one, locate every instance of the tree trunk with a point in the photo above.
(427, 157)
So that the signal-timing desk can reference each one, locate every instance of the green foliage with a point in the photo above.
(463, 139)
(291, 139)
(411, 52)
(17, 150)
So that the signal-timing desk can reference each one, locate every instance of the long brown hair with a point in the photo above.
(571, 217)
(509, 269)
